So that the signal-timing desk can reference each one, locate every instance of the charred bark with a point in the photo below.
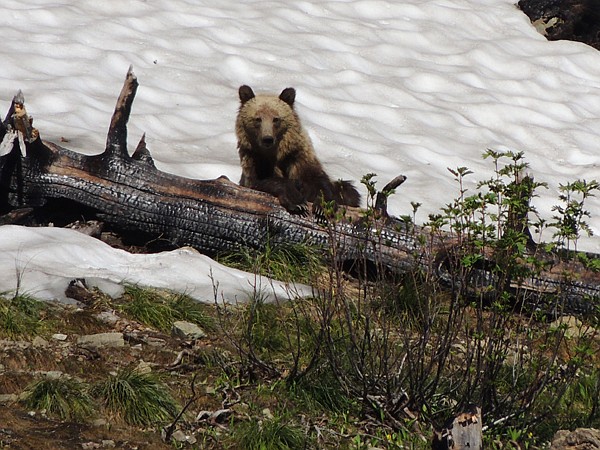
(130, 194)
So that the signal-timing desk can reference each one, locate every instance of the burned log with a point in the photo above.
(131, 194)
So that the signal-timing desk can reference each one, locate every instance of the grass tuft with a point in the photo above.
(20, 316)
(160, 309)
(138, 398)
(273, 434)
(285, 262)
(62, 397)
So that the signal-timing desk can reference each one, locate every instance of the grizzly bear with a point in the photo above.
(277, 155)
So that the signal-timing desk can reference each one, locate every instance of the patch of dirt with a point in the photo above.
(25, 359)
(22, 431)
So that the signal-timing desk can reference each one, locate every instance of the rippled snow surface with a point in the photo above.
(387, 87)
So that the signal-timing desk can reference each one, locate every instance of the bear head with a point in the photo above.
(263, 120)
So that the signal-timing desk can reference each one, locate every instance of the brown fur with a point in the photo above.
(277, 155)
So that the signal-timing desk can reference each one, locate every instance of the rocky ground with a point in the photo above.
(87, 342)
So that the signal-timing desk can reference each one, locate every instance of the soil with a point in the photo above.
(25, 359)
(20, 430)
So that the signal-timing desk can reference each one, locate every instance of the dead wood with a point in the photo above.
(129, 194)
(461, 432)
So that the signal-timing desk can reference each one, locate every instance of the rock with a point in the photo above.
(39, 342)
(102, 340)
(143, 367)
(17, 345)
(179, 436)
(53, 374)
(59, 337)
(107, 317)
(6, 399)
(90, 445)
(100, 423)
(108, 443)
(573, 327)
(267, 413)
(580, 439)
(187, 330)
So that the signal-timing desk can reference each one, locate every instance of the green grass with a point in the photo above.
(138, 398)
(63, 397)
(159, 309)
(268, 434)
(21, 316)
(285, 262)
(320, 391)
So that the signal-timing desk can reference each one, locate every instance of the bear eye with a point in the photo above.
(257, 122)
(276, 120)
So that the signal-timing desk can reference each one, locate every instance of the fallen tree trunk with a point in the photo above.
(129, 193)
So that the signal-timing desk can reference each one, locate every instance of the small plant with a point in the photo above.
(61, 397)
(281, 261)
(190, 310)
(320, 390)
(269, 433)
(160, 309)
(570, 220)
(137, 398)
(20, 316)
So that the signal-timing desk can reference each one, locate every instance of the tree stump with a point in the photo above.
(462, 432)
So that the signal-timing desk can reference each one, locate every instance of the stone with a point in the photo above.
(53, 374)
(6, 399)
(179, 436)
(573, 327)
(187, 330)
(143, 367)
(39, 342)
(102, 340)
(107, 317)
(90, 445)
(580, 439)
(267, 413)
(100, 423)
(59, 337)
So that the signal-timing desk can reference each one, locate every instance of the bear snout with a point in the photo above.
(268, 141)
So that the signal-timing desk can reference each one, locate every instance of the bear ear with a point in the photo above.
(246, 93)
(288, 95)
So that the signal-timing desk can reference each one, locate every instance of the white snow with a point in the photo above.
(382, 86)
(42, 261)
